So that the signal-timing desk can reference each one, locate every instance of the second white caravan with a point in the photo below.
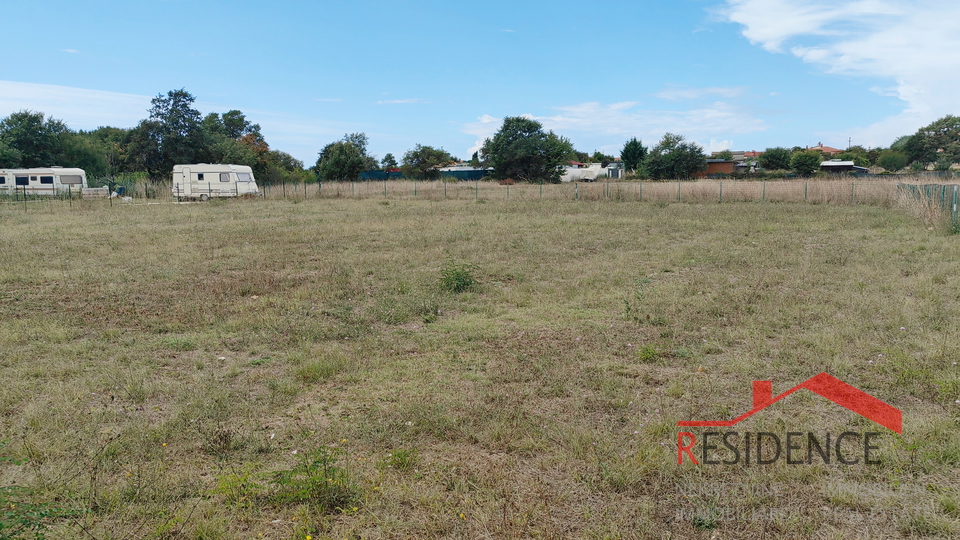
(204, 181)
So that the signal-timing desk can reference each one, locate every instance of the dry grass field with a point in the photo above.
(430, 367)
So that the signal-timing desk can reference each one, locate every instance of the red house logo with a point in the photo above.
(824, 385)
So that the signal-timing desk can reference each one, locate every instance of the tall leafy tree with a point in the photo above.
(32, 139)
(522, 150)
(9, 157)
(171, 135)
(633, 154)
(775, 159)
(939, 140)
(806, 163)
(344, 159)
(424, 162)
(892, 160)
(675, 158)
(388, 162)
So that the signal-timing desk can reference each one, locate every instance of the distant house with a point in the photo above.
(717, 167)
(839, 166)
(574, 171)
(825, 150)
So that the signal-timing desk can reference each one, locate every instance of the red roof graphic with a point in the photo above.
(826, 386)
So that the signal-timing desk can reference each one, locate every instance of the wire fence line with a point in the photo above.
(842, 191)
(704, 191)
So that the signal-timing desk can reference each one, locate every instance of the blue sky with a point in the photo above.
(739, 74)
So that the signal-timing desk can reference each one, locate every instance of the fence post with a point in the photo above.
(606, 194)
(640, 189)
(70, 193)
(444, 189)
(851, 193)
(508, 192)
(576, 191)
(721, 191)
(763, 194)
(955, 205)
(476, 190)
(678, 191)
(384, 189)
(414, 188)
(805, 191)
(541, 190)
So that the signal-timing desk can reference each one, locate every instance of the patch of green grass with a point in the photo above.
(458, 277)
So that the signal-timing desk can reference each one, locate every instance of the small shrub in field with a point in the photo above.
(19, 516)
(648, 354)
(317, 480)
(458, 277)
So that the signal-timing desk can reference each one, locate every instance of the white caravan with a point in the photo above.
(43, 181)
(203, 181)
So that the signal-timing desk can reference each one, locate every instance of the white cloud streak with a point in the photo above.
(398, 101)
(80, 108)
(678, 94)
(596, 121)
(914, 44)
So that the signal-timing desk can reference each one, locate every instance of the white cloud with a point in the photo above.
(398, 101)
(716, 146)
(915, 44)
(594, 121)
(677, 94)
(80, 108)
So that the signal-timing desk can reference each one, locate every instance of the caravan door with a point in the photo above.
(186, 183)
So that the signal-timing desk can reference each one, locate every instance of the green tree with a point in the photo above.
(943, 163)
(344, 159)
(389, 162)
(9, 157)
(775, 159)
(892, 160)
(726, 155)
(632, 154)
(423, 162)
(901, 142)
(32, 139)
(806, 163)
(941, 139)
(521, 150)
(475, 160)
(859, 159)
(603, 159)
(171, 135)
(675, 158)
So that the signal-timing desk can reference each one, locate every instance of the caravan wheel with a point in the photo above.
(204, 198)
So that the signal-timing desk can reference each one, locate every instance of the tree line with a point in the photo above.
(174, 132)
(521, 150)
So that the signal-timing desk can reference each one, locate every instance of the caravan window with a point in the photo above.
(3, 179)
(200, 177)
(70, 179)
(46, 179)
(23, 180)
(244, 177)
(224, 177)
